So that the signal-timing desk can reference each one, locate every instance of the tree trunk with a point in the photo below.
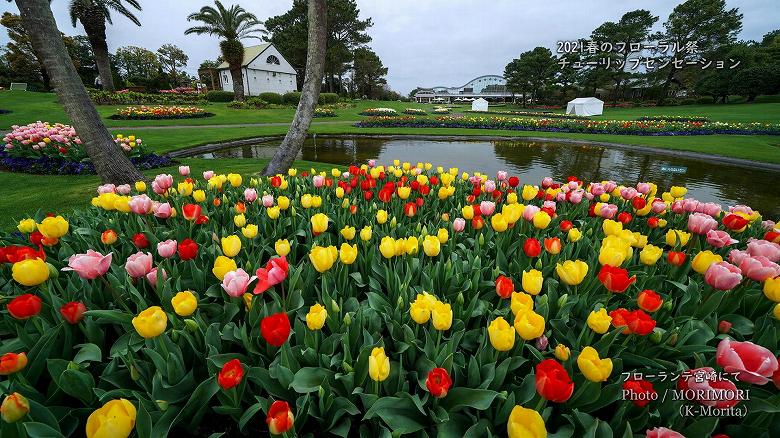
(315, 66)
(95, 27)
(238, 82)
(665, 88)
(110, 161)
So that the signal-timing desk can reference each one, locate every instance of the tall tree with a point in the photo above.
(315, 67)
(83, 58)
(369, 73)
(633, 27)
(93, 15)
(705, 23)
(346, 32)
(172, 57)
(231, 25)
(532, 71)
(110, 162)
(137, 64)
(25, 64)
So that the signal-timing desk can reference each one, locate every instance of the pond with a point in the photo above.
(726, 184)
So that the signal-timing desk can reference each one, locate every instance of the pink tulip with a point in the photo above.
(207, 175)
(723, 276)
(643, 188)
(608, 211)
(547, 182)
(589, 196)
(490, 186)
(123, 189)
(487, 207)
(140, 204)
(318, 181)
(720, 239)
(628, 193)
(139, 264)
(572, 185)
(502, 175)
(658, 206)
(708, 388)
(759, 268)
(167, 249)
(741, 209)
(371, 163)
(89, 266)
(236, 282)
(550, 204)
(106, 188)
(700, 223)
(275, 272)
(736, 256)
(709, 208)
(609, 186)
(597, 189)
(768, 225)
(576, 196)
(268, 201)
(529, 211)
(163, 211)
(764, 248)
(184, 170)
(151, 277)
(662, 432)
(164, 181)
(561, 196)
(690, 205)
(677, 207)
(250, 195)
(754, 363)
(459, 224)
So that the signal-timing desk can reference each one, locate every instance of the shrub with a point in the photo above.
(249, 103)
(220, 96)
(291, 98)
(125, 97)
(328, 98)
(273, 98)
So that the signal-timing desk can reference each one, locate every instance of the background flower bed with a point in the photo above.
(675, 118)
(537, 114)
(61, 166)
(376, 112)
(620, 127)
(101, 97)
(371, 287)
(160, 113)
(324, 112)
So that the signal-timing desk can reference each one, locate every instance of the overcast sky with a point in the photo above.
(422, 42)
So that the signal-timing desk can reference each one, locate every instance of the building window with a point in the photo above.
(224, 76)
(272, 60)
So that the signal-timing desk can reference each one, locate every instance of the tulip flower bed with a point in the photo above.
(324, 112)
(544, 114)
(378, 112)
(44, 148)
(441, 110)
(387, 301)
(160, 112)
(415, 111)
(675, 118)
(125, 97)
(620, 127)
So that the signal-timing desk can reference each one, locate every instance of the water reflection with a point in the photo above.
(532, 161)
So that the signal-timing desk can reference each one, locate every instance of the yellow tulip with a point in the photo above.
(140, 186)
(30, 272)
(592, 366)
(677, 237)
(574, 235)
(499, 223)
(572, 272)
(530, 192)
(441, 313)
(319, 223)
(525, 423)
(106, 201)
(562, 352)
(185, 188)
(529, 324)
(541, 220)
(366, 233)
(122, 204)
(404, 192)
(378, 364)
(115, 419)
(223, 265)
(249, 231)
(501, 334)
(348, 232)
(184, 303)
(387, 247)
(53, 227)
(316, 201)
(599, 321)
(283, 202)
(677, 191)
(420, 308)
(431, 246)
(15, 406)
(412, 245)
(776, 311)
(532, 281)
(239, 220)
(400, 246)
(772, 289)
(443, 235)
(381, 216)
(611, 227)
(704, 260)
(467, 212)
(520, 302)
(282, 247)
(199, 195)
(348, 253)
(27, 226)
(316, 317)
(235, 179)
(273, 212)
(322, 258)
(151, 322)
(231, 245)
(650, 255)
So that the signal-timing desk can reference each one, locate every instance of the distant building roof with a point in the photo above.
(250, 53)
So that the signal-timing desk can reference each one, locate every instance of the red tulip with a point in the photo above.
(477, 222)
(649, 301)
(280, 418)
(639, 203)
(620, 318)
(772, 236)
(676, 258)
(275, 329)
(566, 225)
(36, 238)
(504, 287)
(624, 217)
(639, 391)
(553, 382)
(275, 272)
(12, 362)
(653, 222)
(231, 374)
(276, 180)
(15, 253)
(385, 195)
(24, 306)
(615, 279)
(531, 247)
(724, 327)
(552, 245)
(734, 222)
(73, 312)
(514, 181)
(639, 323)
(192, 212)
(188, 249)
(410, 209)
(140, 241)
(438, 382)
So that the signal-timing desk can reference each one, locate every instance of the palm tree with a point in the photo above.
(111, 163)
(93, 15)
(231, 25)
(310, 92)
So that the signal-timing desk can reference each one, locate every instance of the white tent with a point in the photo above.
(479, 105)
(585, 106)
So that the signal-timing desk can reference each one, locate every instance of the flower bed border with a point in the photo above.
(165, 117)
(60, 166)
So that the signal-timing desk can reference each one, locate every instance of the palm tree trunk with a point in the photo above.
(110, 162)
(95, 27)
(315, 66)
(238, 82)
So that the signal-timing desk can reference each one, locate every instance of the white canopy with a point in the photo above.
(479, 105)
(585, 106)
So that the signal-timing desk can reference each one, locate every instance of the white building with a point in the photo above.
(264, 70)
(488, 87)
